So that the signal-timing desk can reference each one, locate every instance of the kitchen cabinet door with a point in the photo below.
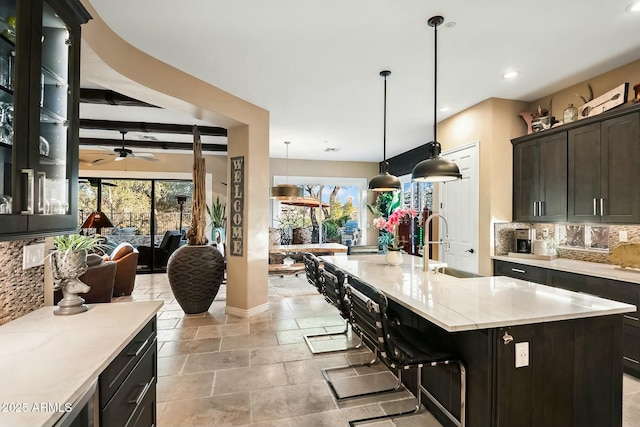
(540, 179)
(620, 150)
(584, 173)
(526, 180)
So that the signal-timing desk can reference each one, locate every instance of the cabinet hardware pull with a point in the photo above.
(601, 206)
(42, 178)
(595, 207)
(517, 270)
(30, 187)
(139, 350)
(142, 393)
(540, 208)
(635, 319)
(630, 359)
(535, 208)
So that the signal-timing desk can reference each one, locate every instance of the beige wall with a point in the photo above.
(601, 84)
(493, 123)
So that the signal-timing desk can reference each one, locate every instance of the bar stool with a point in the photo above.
(312, 270)
(330, 283)
(400, 347)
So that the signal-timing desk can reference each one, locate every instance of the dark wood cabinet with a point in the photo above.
(39, 92)
(611, 289)
(540, 179)
(128, 384)
(604, 168)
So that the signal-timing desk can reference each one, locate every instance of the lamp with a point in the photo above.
(435, 168)
(286, 192)
(97, 220)
(385, 181)
(181, 201)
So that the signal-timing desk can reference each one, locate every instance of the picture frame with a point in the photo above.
(613, 98)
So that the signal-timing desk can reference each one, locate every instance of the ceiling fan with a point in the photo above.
(122, 152)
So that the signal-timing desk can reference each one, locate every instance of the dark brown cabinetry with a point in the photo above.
(604, 169)
(582, 172)
(611, 289)
(128, 385)
(540, 179)
(39, 87)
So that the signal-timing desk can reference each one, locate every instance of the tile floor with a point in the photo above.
(220, 370)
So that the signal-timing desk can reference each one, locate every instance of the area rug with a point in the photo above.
(287, 286)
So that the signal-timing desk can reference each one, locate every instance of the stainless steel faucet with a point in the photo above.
(425, 250)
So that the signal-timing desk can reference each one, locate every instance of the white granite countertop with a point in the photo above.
(53, 359)
(473, 303)
(605, 271)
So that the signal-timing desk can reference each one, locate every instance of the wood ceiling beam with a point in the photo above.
(150, 127)
(164, 145)
(109, 97)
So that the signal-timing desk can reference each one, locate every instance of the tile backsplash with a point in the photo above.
(584, 242)
(21, 291)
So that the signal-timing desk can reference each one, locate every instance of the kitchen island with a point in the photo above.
(572, 374)
(47, 362)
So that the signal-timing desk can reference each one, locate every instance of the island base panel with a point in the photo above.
(574, 376)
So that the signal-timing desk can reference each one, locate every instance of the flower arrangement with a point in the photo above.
(389, 227)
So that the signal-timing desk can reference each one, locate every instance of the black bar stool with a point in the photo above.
(400, 347)
(330, 283)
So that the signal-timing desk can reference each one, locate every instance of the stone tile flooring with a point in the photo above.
(220, 370)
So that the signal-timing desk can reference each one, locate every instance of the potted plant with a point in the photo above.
(388, 237)
(218, 217)
(68, 262)
(196, 270)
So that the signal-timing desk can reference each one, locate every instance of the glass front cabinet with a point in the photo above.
(39, 93)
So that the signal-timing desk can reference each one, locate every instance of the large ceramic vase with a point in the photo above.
(195, 275)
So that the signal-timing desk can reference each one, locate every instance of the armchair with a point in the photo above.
(170, 242)
(126, 258)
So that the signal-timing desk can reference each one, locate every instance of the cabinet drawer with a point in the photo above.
(520, 271)
(119, 369)
(139, 386)
(145, 413)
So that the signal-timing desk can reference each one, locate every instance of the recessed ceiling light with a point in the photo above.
(445, 109)
(509, 75)
(634, 7)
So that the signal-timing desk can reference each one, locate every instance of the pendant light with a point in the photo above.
(435, 168)
(286, 192)
(385, 181)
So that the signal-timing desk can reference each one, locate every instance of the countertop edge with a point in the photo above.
(586, 268)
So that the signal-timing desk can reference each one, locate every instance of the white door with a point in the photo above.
(459, 205)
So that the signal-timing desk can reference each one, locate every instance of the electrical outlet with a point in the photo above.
(32, 255)
(545, 233)
(622, 237)
(522, 354)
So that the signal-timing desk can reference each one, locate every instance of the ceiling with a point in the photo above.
(315, 64)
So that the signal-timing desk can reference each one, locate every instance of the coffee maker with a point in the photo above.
(524, 238)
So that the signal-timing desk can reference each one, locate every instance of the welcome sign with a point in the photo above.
(237, 206)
